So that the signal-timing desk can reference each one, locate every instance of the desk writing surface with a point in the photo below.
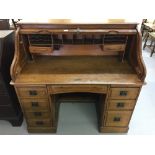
(77, 70)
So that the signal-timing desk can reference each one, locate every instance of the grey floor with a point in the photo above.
(78, 118)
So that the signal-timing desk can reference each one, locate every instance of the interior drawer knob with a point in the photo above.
(117, 119)
(123, 93)
(120, 105)
(33, 92)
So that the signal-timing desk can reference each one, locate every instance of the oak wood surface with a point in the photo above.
(74, 88)
(39, 123)
(121, 104)
(37, 115)
(82, 31)
(40, 49)
(80, 50)
(77, 70)
(41, 129)
(113, 129)
(40, 104)
(32, 92)
(131, 93)
(113, 116)
(58, 57)
(73, 23)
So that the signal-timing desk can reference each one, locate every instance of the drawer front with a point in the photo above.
(121, 104)
(39, 123)
(38, 115)
(37, 49)
(118, 118)
(114, 47)
(32, 92)
(124, 93)
(35, 104)
(67, 89)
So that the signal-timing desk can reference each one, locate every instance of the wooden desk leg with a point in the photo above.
(142, 30)
(151, 42)
(145, 35)
(146, 41)
(152, 50)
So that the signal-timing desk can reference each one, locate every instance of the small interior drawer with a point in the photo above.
(77, 88)
(39, 122)
(35, 104)
(38, 115)
(32, 92)
(39, 49)
(114, 47)
(118, 118)
(121, 104)
(124, 93)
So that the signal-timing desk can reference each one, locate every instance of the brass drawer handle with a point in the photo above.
(123, 93)
(35, 104)
(37, 114)
(117, 119)
(120, 105)
(33, 92)
(39, 122)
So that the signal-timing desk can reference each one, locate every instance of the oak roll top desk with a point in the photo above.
(55, 59)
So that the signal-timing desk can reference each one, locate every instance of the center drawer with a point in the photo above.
(118, 118)
(77, 88)
(35, 104)
(32, 92)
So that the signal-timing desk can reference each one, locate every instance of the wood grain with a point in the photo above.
(131, 93)
(39, 92)
(37, 115)
(41, 104)
(77, 70)
(79, 88)
(121, 104)
(124, 117)
(56, 58)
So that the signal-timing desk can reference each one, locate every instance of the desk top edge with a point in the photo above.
(77, 22)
